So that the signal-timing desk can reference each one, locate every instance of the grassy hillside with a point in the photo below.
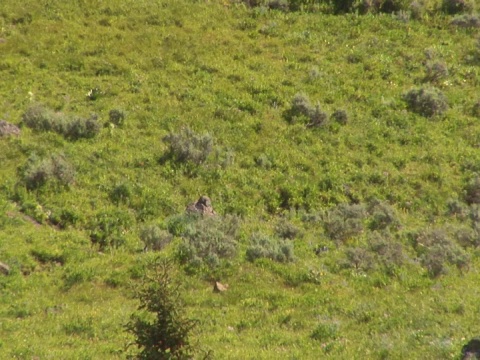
(340, 153)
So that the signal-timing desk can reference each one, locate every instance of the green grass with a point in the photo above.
(231, 72)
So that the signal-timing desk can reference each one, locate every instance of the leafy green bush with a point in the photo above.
(325, 332)
(108, 228)
(154, 237)
(426, 101)
(160, 326)
(40, 118)
(188, 146)
(208, 240)
(177, 225)
(38, 171)
(264, 246)
(121, 193)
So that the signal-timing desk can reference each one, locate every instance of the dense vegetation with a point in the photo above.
(338, 143)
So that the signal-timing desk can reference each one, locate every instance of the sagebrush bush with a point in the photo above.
(117, 117)
(340, 116)
(154, 237)
(472, 191)
(286, 230)
(476, 109)
(426, 101)
(40, 118)
(458, 6)
(78, 127)
(344, 221)
(302, 111)
(457, 208)
(381, 215)
(160, 325)
(264, 246)
(206, 241)
(437, 249)
(359, 259)
(56, 169)
(466, 21)
(389, 253)
(188, 146)
(435, 71)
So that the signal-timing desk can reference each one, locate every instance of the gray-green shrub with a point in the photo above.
(436, 249)
(472, 191)
(435, 71)
(117, 117)
(39, 117)
(264, 246)
(188, 146)
(427, 101)
(344, 221)
(340, 116)
(208, 240)
(154, 237)
(381, 215)
(56, 169)
(286, 230)
(302, 111)
(458, 6)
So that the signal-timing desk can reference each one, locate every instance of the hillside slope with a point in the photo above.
(340, 153)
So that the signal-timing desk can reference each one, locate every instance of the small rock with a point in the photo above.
(218, 287)
(202, 206)
(4, 269)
